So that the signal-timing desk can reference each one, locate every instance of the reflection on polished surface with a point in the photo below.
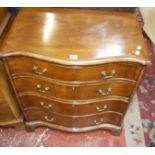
(90, 34)
(139, 47)
(48, 29)
(83, 62)
(109, 51)
(113, 46)
(137, 52)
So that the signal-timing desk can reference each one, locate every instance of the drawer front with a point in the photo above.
(20, 65)
(44, 88)
(5, 112)
(109, 88)
(110, 118)
(74, 92)
(74, 73)
(29, 101)
(108, 71)
(44, 103)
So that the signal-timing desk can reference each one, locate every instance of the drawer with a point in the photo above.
(44, 88)
(37, 115)
(44, 103)
(75, 92)
(106, 89)
(21, 65)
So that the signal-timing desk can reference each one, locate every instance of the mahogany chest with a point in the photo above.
(10, 114)
(74, 70)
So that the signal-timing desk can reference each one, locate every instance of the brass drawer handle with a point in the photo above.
(51, 119)
(48, 106)
(105, 92)
(44, 90)
(98, 122)
(104, 74)
(99, 109)
(36, 70)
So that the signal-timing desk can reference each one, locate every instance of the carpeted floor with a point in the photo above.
(54, 138)
(146, 93)
(146, 97)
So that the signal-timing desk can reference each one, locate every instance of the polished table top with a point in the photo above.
(73, 36)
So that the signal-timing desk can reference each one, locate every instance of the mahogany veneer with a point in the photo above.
(10, 114)
(74, 70)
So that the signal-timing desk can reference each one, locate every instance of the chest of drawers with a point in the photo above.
(74, 70)
(10, 114)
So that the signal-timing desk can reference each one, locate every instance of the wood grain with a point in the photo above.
(90, 36)
(25, 65)
(110, 118)
(73, 92)
(74, 70)
(75, 108)
(10, 114)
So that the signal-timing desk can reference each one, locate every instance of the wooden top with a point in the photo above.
(76, 37)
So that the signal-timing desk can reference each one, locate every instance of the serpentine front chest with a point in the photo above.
(74, 70)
